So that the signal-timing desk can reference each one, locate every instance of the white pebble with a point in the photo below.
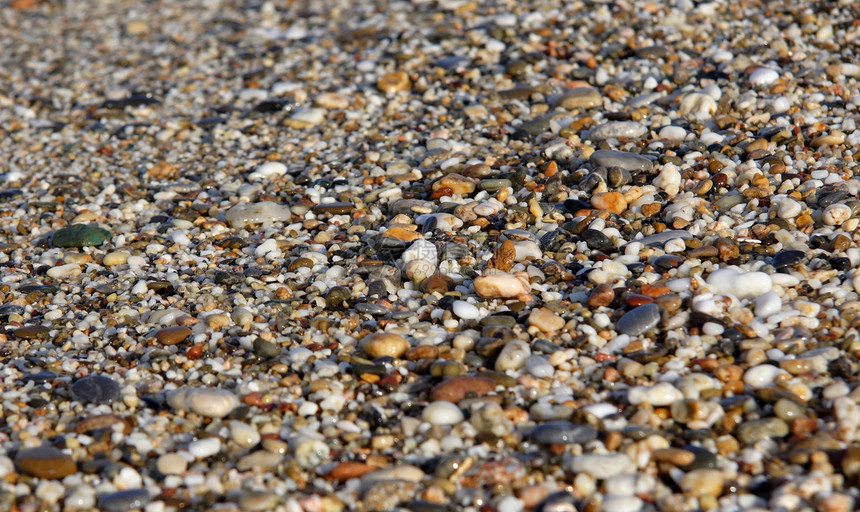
(836, 214)
(762, 376)
(767, 304)
(203, 448)
(732, 281)
(465, 310)
(268, 170)
(673, 133)
(763, 77)
(442, 413)
(698, 106)
(69, 270)
(669, 179)
(789, 209)
(660, 394)
(513, 356)
(243, 434)
(214, 403)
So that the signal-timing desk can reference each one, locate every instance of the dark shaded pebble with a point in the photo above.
(562, 432)
(96, 389)
(122, 501)
(639, 320)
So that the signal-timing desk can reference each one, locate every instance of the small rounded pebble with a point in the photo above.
(442, 413)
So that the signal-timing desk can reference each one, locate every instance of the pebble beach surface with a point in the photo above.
(429, 256)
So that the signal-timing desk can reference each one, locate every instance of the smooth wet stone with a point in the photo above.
(597, 240)
(533, 128)
(442, 412)
(787, 258)
(264, 213)
(96, 389)
(458, 388)
(750, 432)
(494, 185)
(639, 320)
(45, 462)
(333, 208)
(618, 130)
(213, 403)
(267, 349)
(660, 239)
(371, 309)
(629, 161)
(562, 432)
(80, 235)
(580, 97)
(122, 501)
(31, 332)
(172, 335)
(383, 344)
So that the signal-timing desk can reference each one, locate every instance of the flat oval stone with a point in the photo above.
(597, 240)
(80, 235)
(658, 239)
(618, 130)
(580, 97)
(172, 335)
(630, 161)
(750, 432)
(333, 208)
(213, 403)
(29, 332)
(789, 258)
(454, 390)
(45, 462)
(96, 389)
(122, 501)
(639, 320)
(563, 432)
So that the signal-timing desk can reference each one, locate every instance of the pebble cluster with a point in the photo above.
(429, 255)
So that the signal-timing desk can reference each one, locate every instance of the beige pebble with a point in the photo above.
(545, 320)
(501, 285)
(382, 344)
(116, 258)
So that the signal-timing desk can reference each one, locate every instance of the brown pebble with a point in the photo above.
(670, 302)
(728, 250)
(171, 335)
(601, 296)
(394, 82)
(676, 456)
(438, 283)
(422, 352)
(100, 421)
(503, 259)
(651, 209)
(45, 462)
(30, 332)
(348, 470)
(454, 390)
(705, 251)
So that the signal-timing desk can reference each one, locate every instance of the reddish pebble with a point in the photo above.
(654, 291)
(634, 299)
(456, 389)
